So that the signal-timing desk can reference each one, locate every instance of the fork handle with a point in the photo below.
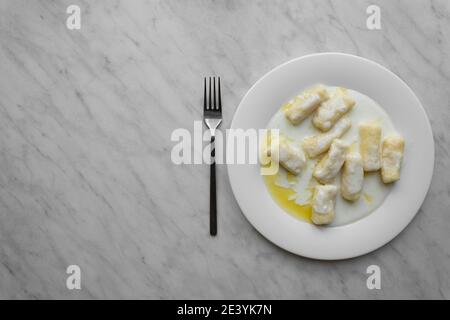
(212, 191)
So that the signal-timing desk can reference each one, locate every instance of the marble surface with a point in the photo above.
(85, 124)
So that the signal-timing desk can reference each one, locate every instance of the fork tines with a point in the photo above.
(212, 102)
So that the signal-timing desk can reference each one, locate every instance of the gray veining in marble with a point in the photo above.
(85, 124)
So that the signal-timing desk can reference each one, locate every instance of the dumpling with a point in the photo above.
(304, 104)
(290, 154)
(369, 145)
(352, 177)
(315, 145)
(324, 200)
(391, 158)
(332, 110)
(329, 166)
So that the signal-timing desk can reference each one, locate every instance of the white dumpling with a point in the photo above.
(331, 163)
(317, 144)
(392, 155)
(330, 111)
(290, 154)
(352, 177)
(369, 145)
(324, 200)
(305, 104)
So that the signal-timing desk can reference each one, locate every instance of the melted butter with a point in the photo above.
(282, 197)
(367, 198)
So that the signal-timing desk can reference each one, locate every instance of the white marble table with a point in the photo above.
(85, 123)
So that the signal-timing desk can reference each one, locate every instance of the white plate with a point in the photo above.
(406, 196)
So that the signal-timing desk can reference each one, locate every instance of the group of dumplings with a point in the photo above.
(374, 153)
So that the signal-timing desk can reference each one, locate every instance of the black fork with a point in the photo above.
(212, 115)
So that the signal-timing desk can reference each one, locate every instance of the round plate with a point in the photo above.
(406, 196)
